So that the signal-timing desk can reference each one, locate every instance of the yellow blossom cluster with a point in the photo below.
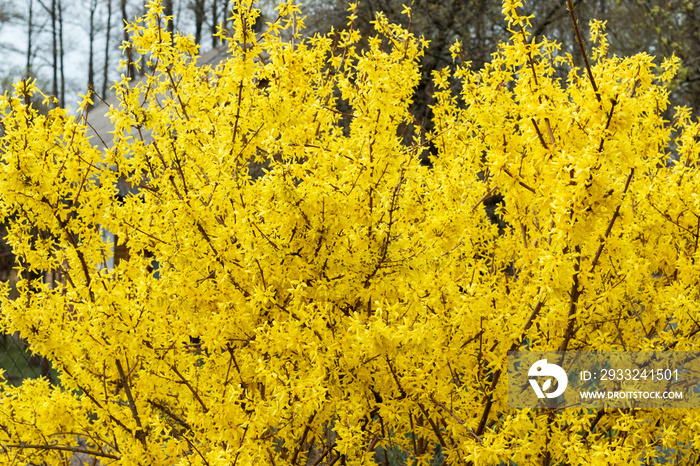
(351, 305)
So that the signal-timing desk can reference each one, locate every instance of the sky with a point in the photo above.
(13, 43)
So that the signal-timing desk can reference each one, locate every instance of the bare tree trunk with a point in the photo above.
(131, 70)
(53, 16)
(125, 18)
(30, 17)
(62, 97)
(91, 52)
(168, 11)
(54, 49)
(199, 15)
(105, 71)
(197, 7)
(214, 22)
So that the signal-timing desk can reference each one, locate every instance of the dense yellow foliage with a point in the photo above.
(351, 302)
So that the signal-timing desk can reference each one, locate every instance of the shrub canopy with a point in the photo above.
(351, 304)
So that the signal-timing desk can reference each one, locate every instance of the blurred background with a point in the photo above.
(68, 45)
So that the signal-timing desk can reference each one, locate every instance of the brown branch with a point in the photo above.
(324, 453)
(255, 225)
(481, 332)
(303, 437)
(507, 172)
(373, 443)
(187, 384)
(461, 422)
(583, 51)
(179, 169)
(413, 435)
(82, 182)
(539, 134)
(98, 404)
(240, 444)
(74, 243)
(697, 234)
(595, 421)
(238, 116)
(155, 238)
(607, 123)
(669, 219)
(70, 449)
(170, 414)
(438, 434)
(98, 134)
(690, 335)
(140, 434)
(535, 312)
(488, 404)
(497, 375)
(177, 94)
(608, 230)
(387, 239)
(485, 196)
(574, 295)
(396, 378)
(271, 456)
(194, 447)
(529, 56)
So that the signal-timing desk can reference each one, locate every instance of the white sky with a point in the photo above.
(13, 43)
(13, 40)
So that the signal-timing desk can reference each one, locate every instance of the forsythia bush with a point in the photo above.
(351, 305)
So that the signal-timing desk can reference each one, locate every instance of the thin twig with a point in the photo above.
(303, 437)
(438, 434)
(140, 434)
(194, 392)
(170, 414)
(574, 294)
(583, 51)
(71, 449)
(520, 182)
(610, 224)
(539, 134)
(461, 422)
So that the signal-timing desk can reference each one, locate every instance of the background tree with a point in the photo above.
(108, 43)
(92, 33)
(30, 31)
(9, 13)
(198, 8)
(131, 69)
(61, 54)
(53, 10)
(674, 32)
(351, 305)
(168, 11)
(218, 13)
(658, 27)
